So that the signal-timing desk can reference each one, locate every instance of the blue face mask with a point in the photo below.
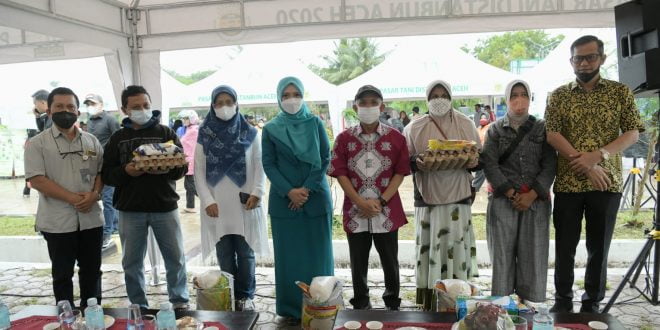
(140, 117)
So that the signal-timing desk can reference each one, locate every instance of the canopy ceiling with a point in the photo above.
(131, 34)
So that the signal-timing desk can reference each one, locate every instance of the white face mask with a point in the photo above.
(439, 107)
(368, 115)
(225, 112)
(92, 110)
(140, 117)
(292, 105)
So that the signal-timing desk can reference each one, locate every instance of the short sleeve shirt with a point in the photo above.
(370, 161)
(590, 120)
(73, 165)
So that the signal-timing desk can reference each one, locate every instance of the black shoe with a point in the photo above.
(392, 308)
(588, 307)
(562, 307)
(291, 321)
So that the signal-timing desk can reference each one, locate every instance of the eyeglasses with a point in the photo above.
(577, 59)
(64, 154)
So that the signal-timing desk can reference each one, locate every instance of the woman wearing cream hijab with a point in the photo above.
(444, 237)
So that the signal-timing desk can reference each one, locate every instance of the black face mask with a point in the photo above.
(586, 77)
(64, 119)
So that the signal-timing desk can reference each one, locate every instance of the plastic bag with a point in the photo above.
(316, 314)
(446, 292)
(215, 291)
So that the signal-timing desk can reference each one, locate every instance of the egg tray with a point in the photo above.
(439, 160)
(159, 162)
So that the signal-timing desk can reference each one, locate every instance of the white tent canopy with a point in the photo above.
(254, 75)
(131, 33)
(407, 71)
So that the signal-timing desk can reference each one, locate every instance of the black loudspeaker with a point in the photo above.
(638, 39)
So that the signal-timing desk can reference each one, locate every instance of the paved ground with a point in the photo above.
(27, 284)
(22, 285)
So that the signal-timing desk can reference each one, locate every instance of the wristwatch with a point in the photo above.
(382, 200)
(98, 194)
(605, 153)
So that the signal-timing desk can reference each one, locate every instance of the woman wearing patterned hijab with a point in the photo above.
(520, 173)
(230, 182)
(444, 237)
(296, 155)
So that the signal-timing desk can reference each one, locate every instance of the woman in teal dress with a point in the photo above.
(296, 155)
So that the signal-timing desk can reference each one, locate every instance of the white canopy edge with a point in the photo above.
(131, 38)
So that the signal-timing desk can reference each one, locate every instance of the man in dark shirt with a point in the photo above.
(145, 199)
(101, 124)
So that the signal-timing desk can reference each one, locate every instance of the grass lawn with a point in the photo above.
(16, 226)
(24, 226)
(407, 232)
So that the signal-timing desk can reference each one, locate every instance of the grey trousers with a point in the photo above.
(518, 247)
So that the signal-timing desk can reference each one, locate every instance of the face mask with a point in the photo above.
(586, 76)
(140, 117)
(225, 112)
(292, 105)
(519, 104)
(368, 115)
(439, 107)
(64, 119)
(92, 110)
(483, 122)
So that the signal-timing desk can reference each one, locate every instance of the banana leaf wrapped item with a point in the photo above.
(158, 157)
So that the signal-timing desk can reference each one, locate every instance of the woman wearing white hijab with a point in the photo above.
(444, 237)
(520, 167)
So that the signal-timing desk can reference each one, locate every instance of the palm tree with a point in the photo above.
(351, 58)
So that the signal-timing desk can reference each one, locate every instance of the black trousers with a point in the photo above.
(600, 212)
(387, 245)
(83, 246)
(191, 191)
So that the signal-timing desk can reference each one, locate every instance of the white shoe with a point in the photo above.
(187, 210)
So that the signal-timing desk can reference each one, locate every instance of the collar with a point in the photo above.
(573, 85)
(380, 130)
(57, 133)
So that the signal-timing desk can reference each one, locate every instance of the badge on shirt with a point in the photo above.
(88, 154)
(85, 175)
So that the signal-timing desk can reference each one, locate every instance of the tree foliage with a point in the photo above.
(500, 50)
(190, 78)
(351, 58)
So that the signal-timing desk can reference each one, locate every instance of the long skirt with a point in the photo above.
(518, 247)
(446, 248)
(303, 249)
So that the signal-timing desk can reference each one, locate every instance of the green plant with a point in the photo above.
(350, 59)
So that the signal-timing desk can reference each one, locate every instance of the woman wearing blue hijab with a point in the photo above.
(230, 182)
(296, 155)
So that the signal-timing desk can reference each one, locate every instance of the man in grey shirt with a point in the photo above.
(101, 124)
(64, 163)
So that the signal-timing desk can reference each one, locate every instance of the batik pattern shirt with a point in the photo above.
(370, 161)
(590, 120)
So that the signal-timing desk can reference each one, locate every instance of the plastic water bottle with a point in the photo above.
(4, 316)
(165, 319)
(543, 320)
(94, 315)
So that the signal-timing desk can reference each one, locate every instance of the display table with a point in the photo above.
(434, 320)
(231, 320)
